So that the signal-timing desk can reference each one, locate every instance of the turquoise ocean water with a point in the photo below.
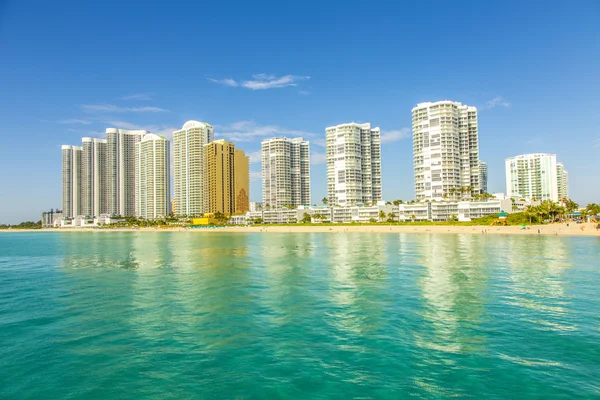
(178, 315)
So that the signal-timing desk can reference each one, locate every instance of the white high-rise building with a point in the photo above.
(483, 176)
(353, 153)
(562, 177)
(71, 180)
(121, 170)
(94, 188)
(189, 164)
(152, 177)
(445, 150)
(285, 172)
(532, 176)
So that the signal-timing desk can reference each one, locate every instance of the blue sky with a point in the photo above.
(258, 69)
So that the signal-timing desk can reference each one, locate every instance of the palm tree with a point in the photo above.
(324, 201)
(391, 216)
(413, 217)
(381, 215)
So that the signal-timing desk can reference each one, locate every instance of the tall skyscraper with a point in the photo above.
(227, 178)
(94, 177)
(189, 167)
(445, 150)
(563, 181)
(121, 170)
(285, 172)
(532, 176)
(353, 153)
(71, 180)
(152, 177)
(483, 176)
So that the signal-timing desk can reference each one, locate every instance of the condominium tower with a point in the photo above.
(483, 176)
(532, 176)
(121, 146)
(152, 197)
(562, 177)
(227, 178)
(190, 192)
(353, 153)
(71, 180)
(285, 172)
(94, 187)
(445, 150)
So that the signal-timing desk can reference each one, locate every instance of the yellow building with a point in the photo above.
(227, 178)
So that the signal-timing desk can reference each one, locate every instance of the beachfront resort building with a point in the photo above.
(227, 178)
(353, 153)
(94, 178)
(152, 176)
(285, 172)
(189, 181)
(71, 180)
(536, 177)
(121, 148)
(445, 150)
(483, 176)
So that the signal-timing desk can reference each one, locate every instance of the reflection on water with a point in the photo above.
(359, 315)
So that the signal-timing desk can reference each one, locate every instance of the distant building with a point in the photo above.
(285, 172)
(121, 147)
(255, 206)
(353, 153)
(533, 176)
(71, 180)
(483, 176)
(152, 177)
(445, 150)
(562, 177)
(50, 218)
(94, 178)
(190, 191)
(227, 178)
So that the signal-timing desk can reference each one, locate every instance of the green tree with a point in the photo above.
(381, 215)
(324, 201)
(306, 218)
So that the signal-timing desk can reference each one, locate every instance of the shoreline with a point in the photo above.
(545, 230)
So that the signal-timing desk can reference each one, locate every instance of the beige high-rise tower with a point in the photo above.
(227, 178)
(152, 177)
(189, 166)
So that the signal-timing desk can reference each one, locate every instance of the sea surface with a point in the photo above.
(193, 315)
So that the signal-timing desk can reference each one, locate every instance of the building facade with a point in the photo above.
(445, 150)
(71, 181)
(353, 153)
(94, 177)
(51, 218)
(562, 177)
(121, 149)
(532, 177)
(285, 172)
(483, 176)
(227, 178)
(190, 191)
(152, 177)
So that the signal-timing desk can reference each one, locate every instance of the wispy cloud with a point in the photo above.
(247, 131)
(254, 175)
(395, 135)
(106, 108)
(255, 157)
(318, 158)
(497, 101)
(139, 96)
(74, 121)
(263, 81)
(304, 92)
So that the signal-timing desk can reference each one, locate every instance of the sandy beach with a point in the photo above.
(588, 229)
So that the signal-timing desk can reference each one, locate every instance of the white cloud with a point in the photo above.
(139, 96)
(263, 81)
(100, 108)
(74, 121)
(317, 158)
(248, 131)
(497, 101)
(254, 175)
(255, 157)
(392, 136)
(304, 92)
(226, 82)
